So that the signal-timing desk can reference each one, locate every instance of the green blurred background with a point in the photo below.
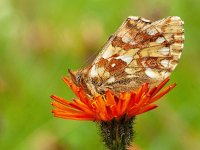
(41, 39)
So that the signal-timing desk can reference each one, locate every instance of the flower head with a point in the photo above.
(108, 106)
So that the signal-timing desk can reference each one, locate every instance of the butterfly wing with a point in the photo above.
(140, 51)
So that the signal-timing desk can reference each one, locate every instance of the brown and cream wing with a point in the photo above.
(139, 52)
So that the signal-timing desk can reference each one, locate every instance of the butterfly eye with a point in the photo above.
(78, 78)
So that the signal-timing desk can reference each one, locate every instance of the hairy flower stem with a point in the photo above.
(117, 134)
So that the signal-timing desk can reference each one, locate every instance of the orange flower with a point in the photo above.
(108, 106)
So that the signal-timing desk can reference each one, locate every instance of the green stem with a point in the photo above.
(117, 134)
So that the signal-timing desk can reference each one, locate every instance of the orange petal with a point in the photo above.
(73, 87)
(161, 94)
(81, 106)
(110, 98)
(73, 116)
(108, 106)
(60, 100)
(102, 108)
(147, 108)
(138, 95)
(160, 86)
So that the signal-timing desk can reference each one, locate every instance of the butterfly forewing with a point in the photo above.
(140, 51)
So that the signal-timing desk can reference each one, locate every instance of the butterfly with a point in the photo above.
(139, 52)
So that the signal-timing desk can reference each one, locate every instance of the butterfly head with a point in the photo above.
(76, 77)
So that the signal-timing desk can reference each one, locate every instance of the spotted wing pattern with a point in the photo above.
(140, 51)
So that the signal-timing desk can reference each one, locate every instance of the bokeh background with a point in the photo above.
(41, 39)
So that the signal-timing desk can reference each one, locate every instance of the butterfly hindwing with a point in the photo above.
(140, 51)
